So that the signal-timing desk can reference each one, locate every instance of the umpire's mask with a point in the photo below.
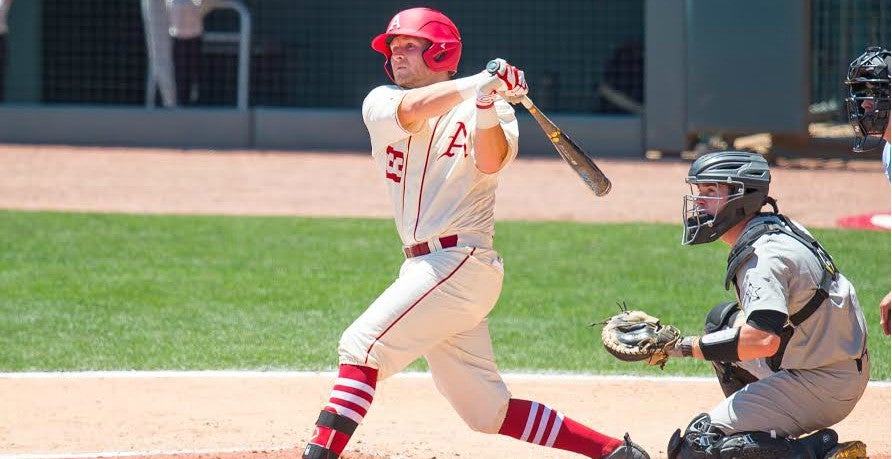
(747, 176)
(868, 99)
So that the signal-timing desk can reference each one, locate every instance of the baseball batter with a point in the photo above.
(440, 143)
(791, 352)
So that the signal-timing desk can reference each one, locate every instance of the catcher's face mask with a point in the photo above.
(708, 212)
(868, 99)
(739, 178)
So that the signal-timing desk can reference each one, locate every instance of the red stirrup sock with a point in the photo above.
(538, 424)
(350, 400)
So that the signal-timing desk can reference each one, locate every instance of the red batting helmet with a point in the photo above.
(445, 50)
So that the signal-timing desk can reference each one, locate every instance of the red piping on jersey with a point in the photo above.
(378, 338)
(405, 172)
(423, 175)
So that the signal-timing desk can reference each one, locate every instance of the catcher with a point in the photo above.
(790, 353)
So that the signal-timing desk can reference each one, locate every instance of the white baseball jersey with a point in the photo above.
(437, 307)
(431, 176)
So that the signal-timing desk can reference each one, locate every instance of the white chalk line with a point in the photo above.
(223, 374)
(154, 452)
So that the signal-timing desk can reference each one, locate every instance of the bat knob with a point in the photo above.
(493, 66)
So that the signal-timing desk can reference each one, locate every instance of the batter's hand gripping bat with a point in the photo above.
(565, 146)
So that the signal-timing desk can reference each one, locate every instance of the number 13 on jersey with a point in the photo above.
(395, 161)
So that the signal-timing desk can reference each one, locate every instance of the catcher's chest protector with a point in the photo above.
(743, 250)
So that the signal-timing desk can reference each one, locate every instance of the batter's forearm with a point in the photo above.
(431, 101)
(421, 104)
(491, 149)
(490, 144)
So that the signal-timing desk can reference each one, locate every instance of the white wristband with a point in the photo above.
(487, 117)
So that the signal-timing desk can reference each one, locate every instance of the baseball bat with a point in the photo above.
(574, 156)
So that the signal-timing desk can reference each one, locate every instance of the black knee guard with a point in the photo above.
(696, 440)
(731, 377)
(701, 440)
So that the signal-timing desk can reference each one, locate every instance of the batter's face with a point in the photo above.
(407, 63)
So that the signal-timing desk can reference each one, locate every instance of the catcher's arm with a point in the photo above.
(637, 336)
(744, 342)
(752, 343)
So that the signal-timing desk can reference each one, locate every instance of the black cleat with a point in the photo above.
(314, 451)
(628, 450)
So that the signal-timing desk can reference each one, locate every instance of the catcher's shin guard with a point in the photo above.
(702, 441)
(628, 450)
(817, 444)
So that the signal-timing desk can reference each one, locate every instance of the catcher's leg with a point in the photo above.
(731, 377)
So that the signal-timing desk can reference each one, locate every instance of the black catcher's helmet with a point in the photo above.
(747, 175)
(868, 99)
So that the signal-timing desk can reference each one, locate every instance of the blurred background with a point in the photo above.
(625, 78)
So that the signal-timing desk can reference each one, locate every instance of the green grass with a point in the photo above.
(104, 292)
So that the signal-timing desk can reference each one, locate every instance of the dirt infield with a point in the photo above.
(337, 184)
(269, 416)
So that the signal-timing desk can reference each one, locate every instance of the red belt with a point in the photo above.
(424, 248)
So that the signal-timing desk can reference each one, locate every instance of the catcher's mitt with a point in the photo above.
(633, 336)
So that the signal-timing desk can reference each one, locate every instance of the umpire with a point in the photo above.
(791, 352)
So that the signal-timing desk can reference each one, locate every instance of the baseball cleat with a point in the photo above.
(848, 450)
(628, 450)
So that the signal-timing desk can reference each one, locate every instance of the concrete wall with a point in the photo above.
(705, 70)
(268, 128)
(125, 126)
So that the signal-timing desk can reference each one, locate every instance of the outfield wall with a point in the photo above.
(622, 77)
(271, 128)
